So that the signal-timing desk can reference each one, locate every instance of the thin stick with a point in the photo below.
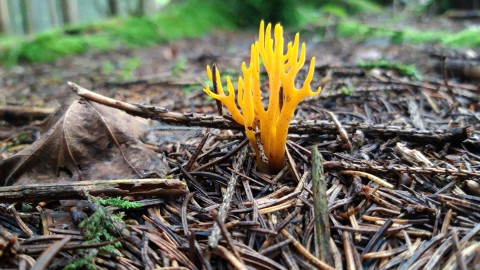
(458, 134)
(104, 100)
(341, 130)
(22, 113)
(369, 176)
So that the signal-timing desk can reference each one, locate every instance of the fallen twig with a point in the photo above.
(320, 127)
(21, 114)
(341, 130)
(76, 190)
(346, 165)
(369, 176)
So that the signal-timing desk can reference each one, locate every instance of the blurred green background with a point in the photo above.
(42, 30)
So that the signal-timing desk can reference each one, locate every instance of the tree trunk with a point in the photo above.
(27, 16)
(70, 11)
(144, 7)
(4, 17)
(53, 13)
(112, 7)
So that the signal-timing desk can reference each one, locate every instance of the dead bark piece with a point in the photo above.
(86, 141)
(20, 115)
(413, 156)
(66, 191)
(320, 207)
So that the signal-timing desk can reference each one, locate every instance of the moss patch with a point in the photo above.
(178, 20)
(469, 37)
(405, 70)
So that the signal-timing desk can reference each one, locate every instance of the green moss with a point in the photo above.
(133, 32)
(48, 48)
(194, 17)
(417, 37)
(334, 10)
(406, 70)
(101, 226)
(86, 262)
(178, 20)
(366, 6)
(129, 65)
(191, 18)
(100, 42)
(26, 207)
(119, 202)
(467, 38)
(179, 66)
(346, 90)
(107, 67)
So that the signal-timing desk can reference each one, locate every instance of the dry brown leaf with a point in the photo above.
(86, 141)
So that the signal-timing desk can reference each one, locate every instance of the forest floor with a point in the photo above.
(400, 144)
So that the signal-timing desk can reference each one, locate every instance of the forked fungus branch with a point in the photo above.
(267, 129)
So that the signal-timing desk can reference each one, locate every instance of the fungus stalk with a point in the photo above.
(268, 127)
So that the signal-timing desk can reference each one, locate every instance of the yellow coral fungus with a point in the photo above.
(267, 129)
